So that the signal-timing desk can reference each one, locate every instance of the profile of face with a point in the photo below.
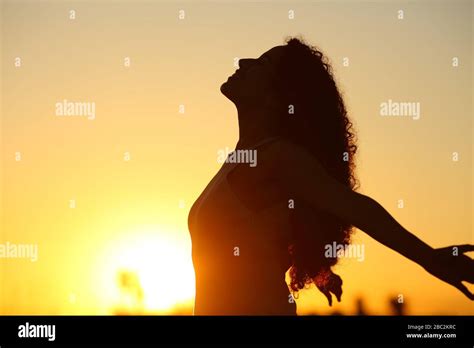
(253, 83)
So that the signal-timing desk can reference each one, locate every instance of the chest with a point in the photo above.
(221, 216)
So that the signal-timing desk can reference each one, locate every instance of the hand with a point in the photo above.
(453, 268)
(333, 285)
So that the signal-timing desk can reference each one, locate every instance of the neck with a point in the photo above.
(254, 126)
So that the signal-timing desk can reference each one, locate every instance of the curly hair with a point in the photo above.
(319, 122)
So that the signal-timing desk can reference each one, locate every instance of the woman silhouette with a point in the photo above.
(254, 222)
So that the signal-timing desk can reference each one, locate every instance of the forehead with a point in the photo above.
(274, 52)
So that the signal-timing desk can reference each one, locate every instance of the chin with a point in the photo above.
(232, 90)
(223, 87)
(226, 89)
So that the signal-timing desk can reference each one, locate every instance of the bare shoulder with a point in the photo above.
(301, 173)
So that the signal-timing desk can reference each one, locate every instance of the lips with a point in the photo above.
(237, 74)
(233, 76)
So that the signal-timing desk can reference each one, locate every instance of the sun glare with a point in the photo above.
(147, 271)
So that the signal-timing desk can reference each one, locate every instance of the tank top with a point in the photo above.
(240, 257)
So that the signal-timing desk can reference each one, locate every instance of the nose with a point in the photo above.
(246, 62)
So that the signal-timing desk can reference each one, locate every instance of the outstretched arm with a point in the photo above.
(309, 181)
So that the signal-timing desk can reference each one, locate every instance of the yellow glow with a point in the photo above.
(161, 263)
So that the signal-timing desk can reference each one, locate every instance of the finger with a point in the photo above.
(468, 269)
(464, 248)
(465, 291)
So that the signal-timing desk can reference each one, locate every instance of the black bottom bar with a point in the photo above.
(153, 330)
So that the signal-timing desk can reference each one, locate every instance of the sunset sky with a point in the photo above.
(112, 194)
